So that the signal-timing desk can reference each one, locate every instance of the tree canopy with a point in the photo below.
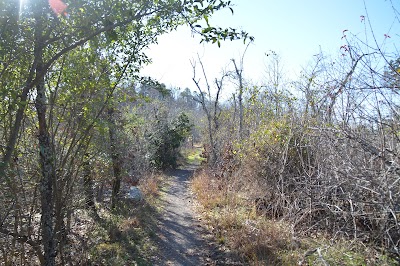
(62, 65)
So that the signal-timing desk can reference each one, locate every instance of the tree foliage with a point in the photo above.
(166, 140)
(61, 71)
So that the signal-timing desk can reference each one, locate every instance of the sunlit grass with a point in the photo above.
(193, 155)
(126, 235)
(263, 241)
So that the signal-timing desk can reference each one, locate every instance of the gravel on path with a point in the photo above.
(181, 239)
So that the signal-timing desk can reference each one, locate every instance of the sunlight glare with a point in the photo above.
(21, 7)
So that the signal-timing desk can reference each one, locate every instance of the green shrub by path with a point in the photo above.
(166, 140)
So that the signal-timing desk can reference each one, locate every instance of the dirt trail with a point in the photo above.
(181, 238)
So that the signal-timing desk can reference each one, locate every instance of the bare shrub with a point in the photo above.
(322, 178)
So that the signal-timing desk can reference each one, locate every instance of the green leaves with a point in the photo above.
(197, 10)
(167, 138)
(215, 35)
(206, 19)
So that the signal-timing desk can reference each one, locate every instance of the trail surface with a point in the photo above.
(181, 238)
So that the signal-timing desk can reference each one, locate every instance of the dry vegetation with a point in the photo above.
(123, 236)
(307, 171)
(303, 171)
(235, 219)
(299, 190)
(126, 235)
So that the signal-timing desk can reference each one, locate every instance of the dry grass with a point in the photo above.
(234, 222)
(209, 193)
(150, 185)
(129, 223)
(126, 235)
(232, 217)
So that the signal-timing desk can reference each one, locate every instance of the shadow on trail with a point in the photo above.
(179, 237)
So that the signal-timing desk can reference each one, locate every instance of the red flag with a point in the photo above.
(58, 6)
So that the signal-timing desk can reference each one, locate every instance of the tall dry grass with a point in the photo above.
(235, 220)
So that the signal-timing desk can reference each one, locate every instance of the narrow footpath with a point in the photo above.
(182, 240)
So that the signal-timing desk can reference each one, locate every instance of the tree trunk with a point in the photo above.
(88, 187)
(48, 177)
(240, 98)
(115, 157)
(214, 154)
(46, 159)
(239, 76)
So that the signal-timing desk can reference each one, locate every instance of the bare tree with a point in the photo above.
(210, 105)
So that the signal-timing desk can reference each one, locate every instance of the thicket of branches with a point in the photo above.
(321, 152)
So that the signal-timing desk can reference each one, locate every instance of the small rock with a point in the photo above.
(135, 194)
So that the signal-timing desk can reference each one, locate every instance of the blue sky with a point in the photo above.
(296, 30)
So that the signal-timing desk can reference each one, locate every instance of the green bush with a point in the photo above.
(167, 139)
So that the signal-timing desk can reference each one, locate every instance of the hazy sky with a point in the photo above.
(296, 30)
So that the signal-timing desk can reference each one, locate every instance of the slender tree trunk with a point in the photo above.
(234, 113)
(88, 187)
(48, 178)
(239, 75)
(214, 155)
(115, 157)
(13, 136)
(212, 115)
(240, 98)
(46, 158)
